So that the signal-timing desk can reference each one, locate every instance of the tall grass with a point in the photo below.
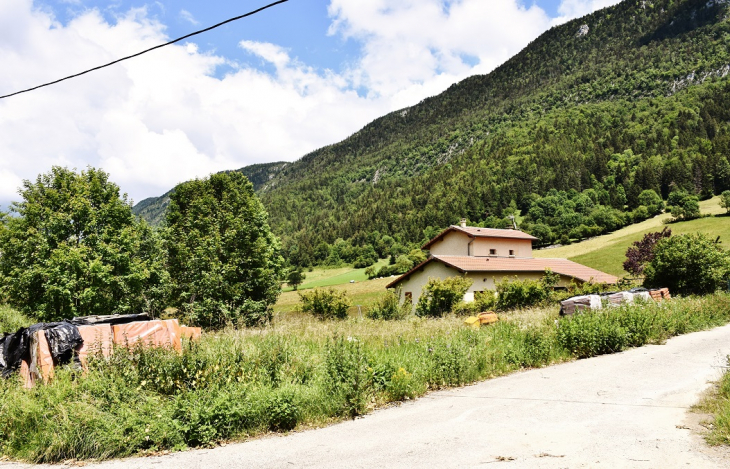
(12, 320)
(302, 373)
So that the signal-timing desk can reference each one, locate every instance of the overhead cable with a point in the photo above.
(148, 50)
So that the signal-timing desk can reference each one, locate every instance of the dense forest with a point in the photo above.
(582, 132)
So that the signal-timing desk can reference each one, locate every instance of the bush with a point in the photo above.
(283, 412)
(389, 308)
(438, 297)
(687, 264)
(684, 206)
(641, 252)
(349, 378)
(725, 201)
(325, 304)
(524, 293)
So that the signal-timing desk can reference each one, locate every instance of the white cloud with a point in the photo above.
(161, 118)
(571, 9)
(416, 48)
(187, 16)
(164, 117)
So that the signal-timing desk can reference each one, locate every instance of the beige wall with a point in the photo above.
(456, 243)
(483, 281)
(521, 247)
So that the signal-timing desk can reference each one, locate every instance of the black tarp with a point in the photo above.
(111, 319)
(62, 337)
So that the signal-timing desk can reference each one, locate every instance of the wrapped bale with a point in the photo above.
(642, 296)
(25, 375)
(97, 339)
(488, 318)
(595, 302)
(149, 333)
(191, 333)
(41, 359)
(575, 305)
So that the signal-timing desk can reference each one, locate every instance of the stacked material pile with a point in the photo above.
(482, 319)
(579, 304)
(35, 351)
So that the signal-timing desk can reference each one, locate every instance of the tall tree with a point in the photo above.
(223, 260)
(75, 248)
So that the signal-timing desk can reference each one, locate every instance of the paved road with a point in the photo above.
(616, 411)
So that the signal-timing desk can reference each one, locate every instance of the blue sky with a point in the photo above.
(301, 26)
(271, 87)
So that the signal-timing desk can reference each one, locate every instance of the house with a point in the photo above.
(487, 255)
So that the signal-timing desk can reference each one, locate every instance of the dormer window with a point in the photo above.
(492, 252)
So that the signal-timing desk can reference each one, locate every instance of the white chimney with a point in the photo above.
(463, 222)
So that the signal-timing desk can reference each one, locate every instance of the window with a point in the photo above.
(409, 297)
(492, 252)
(512, 252)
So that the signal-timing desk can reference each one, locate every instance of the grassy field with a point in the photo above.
(607, 252)
(328, 276)
(364, 293)
(302, 373)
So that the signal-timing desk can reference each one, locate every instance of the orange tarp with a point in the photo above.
(191, 333)
(151, 333)
(25, 375)
(97, 339)
(41, 360)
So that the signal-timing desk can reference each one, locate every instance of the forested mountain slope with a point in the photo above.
(153, 209)
(571, 131)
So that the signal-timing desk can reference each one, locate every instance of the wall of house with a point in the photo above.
(454, 243)
(521, 247)
(482, 281)
(417, 280)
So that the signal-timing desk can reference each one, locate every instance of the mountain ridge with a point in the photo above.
(553, 117)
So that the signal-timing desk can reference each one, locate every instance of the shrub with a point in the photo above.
(684, 206)
(283, 412)
(523, 293)
(348, 373)
(725, 201)
(687, 264)
(438, 297)
(642, 252)
(295, 278)
(325, 304)
(389, 308)
(649, 197)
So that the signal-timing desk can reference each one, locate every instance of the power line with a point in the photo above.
(148, 50)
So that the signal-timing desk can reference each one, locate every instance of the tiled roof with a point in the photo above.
(516, 265)
(477, 232)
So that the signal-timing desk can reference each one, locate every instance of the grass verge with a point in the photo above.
(717, 403)
(301, 373)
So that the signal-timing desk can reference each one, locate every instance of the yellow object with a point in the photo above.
(473, 322)
(488, 318)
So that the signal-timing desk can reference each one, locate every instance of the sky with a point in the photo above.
(271, 87)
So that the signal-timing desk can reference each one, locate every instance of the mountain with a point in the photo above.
(153, 209)
(571, 132)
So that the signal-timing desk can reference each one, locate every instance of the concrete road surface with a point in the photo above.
(617, 411)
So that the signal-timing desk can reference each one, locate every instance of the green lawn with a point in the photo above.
(607, 253)
(329, 276)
